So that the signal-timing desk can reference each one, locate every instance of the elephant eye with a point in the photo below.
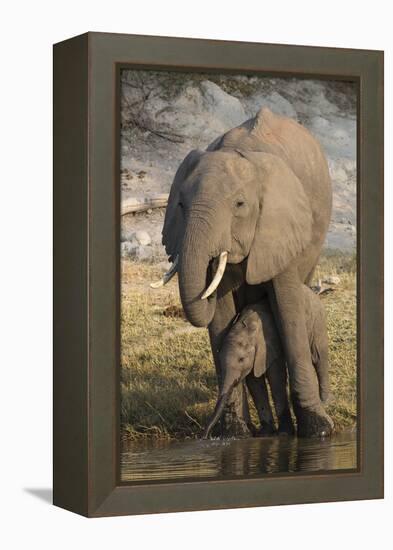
(181, 204)
(239, 203)
(241, 359)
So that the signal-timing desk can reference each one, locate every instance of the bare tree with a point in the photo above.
(137, 88)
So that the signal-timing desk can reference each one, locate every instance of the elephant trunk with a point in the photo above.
(194, 272)
(231, 379)
(219, 409)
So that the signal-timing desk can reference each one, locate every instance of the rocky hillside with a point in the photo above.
(165, 114)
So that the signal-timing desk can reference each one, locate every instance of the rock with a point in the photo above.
(144, 253)
(332, 280)
(143, 237)
(127, 250)
(342, 171)
(338, 174)
(320, 124)
(225, 107)
(274, 101)
(135, 238)
(138, 252)
(202, 111)
(127, 234)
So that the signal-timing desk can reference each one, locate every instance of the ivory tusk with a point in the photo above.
(217, 277)
(168, 275)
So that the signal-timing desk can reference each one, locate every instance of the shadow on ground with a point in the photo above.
(43, 494)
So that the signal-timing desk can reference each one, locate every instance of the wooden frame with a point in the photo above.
(86, 272)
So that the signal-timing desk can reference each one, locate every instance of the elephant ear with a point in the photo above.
(260, 358)
(284, 225)
(173, 225)
(256, 335)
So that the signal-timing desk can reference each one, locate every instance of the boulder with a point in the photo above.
(137, 252)
(126, 233)
(135, 238)
(142, 237)
(144, 253)
(200, 113)
(274, 101)
(127, 249)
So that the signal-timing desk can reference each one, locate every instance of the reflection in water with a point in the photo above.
(163, 460)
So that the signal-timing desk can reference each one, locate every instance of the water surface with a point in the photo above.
(198, 459)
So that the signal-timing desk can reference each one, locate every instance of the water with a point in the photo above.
(229, 459)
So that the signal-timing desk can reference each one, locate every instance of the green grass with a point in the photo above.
(168, 382)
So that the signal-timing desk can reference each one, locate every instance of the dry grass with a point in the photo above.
(341, 322)
(168, 378)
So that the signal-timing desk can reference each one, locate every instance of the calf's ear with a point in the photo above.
(260, 358)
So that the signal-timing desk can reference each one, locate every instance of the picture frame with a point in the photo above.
(86, 387)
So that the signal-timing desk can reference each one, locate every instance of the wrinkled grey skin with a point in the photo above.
(262, 192)
(252, 351)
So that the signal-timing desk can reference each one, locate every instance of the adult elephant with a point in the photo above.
(254, 209)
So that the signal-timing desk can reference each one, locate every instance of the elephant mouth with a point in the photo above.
(236, 257)
(222, 262)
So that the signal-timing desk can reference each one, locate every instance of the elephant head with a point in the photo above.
(226, 206)
(243, 352)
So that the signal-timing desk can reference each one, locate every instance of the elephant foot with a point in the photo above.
(266, 430)
(285, 426)
(313, 423)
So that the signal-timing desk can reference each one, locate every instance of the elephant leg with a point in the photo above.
(320, 356)
(277, 377)
(235, 421)
(259, 393)
(287, 302)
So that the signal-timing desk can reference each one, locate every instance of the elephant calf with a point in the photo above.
(252, 350)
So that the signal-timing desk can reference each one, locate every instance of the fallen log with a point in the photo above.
(134, 204)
